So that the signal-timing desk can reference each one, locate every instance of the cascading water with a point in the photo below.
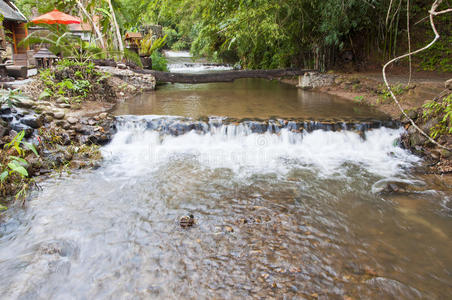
(181, 62)
(273, 146)
(290, 207)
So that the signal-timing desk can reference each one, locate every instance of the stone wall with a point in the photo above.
(144, 82)
(314, 79)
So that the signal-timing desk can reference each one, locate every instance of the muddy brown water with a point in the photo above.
(284, 215)
(243, 98)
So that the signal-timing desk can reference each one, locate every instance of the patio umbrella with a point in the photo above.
(56, 17)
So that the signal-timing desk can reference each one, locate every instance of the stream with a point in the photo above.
(286, 187)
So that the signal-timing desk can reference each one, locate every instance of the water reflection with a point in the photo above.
(243, 99)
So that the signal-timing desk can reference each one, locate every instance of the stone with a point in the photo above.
(32, 121)
(412, 114)
(429, 125)
(25, 103)
(314, 79)
(58, 114)
(3, 130)
(71, 132)
(55, 159)
(228, 229)
(417, 139)
(62, 100)
(72, 120)
(446, 154)
(83, 129)
(448, 84)
(77, 164)
(65, 139)
(18, 127)
(64, 105)
(121, 66)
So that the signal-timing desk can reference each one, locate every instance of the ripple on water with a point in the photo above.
(305, 232)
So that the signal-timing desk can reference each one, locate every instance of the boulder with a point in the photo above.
(32, 121)
(417, 139)
(24, 103)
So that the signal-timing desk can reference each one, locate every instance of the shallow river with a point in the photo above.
(280, 212)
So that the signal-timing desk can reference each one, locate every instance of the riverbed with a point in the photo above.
(288, 190)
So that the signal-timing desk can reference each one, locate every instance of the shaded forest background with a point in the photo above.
(260, 34)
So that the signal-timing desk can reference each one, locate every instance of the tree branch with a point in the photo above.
(432, 13)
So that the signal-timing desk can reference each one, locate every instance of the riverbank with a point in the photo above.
(369, 89)
(66, 117)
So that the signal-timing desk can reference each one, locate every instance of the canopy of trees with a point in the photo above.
(268, 33)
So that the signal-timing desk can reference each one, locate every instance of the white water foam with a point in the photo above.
(234, 147)
(197, 68)
(169, 53)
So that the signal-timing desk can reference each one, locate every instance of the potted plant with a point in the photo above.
(147, 46)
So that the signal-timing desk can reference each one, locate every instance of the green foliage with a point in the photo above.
(151, 43)
(397, 89)
(76, 84)
(438, 57)
(13, 167)
(442, 110)
(172, 36)
(359, 98)
(10, 97)
(261, 33)
(159, 62)
(26, 6)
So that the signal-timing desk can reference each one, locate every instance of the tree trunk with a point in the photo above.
(227, 76)
(118, 32)
(91, 21)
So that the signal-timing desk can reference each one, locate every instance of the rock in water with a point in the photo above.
(187, 221)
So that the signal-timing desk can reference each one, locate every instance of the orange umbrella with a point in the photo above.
(56, 16)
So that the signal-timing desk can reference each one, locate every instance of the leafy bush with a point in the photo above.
(397, 89)
(10, 97)
(159, 62)
(13, 172)
(73, 79)
(441, 109)
(438, 57)
(151, 43)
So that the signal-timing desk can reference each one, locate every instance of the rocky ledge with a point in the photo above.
(64, 134)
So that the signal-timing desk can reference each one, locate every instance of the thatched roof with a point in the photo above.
(11, 12)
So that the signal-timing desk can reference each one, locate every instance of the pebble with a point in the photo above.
(228, 229)
(72, 120)
(58, 114)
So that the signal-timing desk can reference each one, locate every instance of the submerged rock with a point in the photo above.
(187, 221)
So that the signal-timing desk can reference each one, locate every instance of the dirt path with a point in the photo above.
(368, 88)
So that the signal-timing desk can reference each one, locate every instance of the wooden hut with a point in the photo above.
(13, 31)
(133, 40)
